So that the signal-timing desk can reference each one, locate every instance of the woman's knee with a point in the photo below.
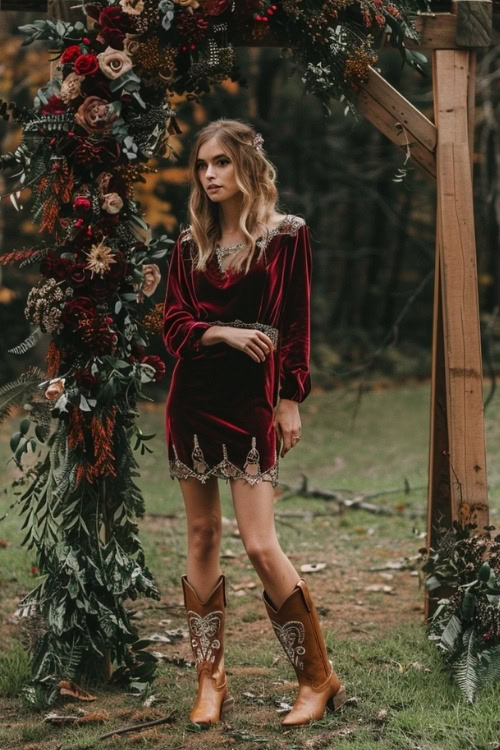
(204, 534)
(262, 554)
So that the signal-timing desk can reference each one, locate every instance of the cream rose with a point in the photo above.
(112, 203)
(152, 278)
(114, 63)
(70, 87)
(132, 7)
(131, 44)
(55, 389)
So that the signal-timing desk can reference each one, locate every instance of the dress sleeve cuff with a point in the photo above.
(195, 334)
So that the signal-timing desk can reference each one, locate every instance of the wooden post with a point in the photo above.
(457, 368)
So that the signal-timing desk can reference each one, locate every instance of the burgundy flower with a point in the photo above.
(85, 379)
(71, 53)
(110, 16)
(78, 275)
(112, 37)
(54, 267)
(154, 361)
(86, 65)
(54, 106)
(77, 309)
(94, 114)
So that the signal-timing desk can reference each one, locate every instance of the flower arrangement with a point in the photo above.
(87, 140)
(466, 623)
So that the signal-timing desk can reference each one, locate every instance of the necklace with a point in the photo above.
(222, 251)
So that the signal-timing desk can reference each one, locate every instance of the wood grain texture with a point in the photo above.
(460, 305)
(399, 120)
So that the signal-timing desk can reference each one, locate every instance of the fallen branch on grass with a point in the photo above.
(137, 727)
(340, 496)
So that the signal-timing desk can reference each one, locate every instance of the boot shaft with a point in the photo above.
(297, 628)
(206, 624)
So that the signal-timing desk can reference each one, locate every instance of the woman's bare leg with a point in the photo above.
(204, 530)
(254, 510)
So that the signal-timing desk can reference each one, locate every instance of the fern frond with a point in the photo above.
(28, 343)
(19, 390)
(467, 670)
(492, 670)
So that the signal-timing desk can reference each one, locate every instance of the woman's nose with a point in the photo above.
(210, 171)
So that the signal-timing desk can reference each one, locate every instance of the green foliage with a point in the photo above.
(20, 390)
(466, 624)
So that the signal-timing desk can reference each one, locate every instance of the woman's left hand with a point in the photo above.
(287, 424)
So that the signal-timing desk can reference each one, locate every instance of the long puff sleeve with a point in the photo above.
(295, 326)
(181, 328)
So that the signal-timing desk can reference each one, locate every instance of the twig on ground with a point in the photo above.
(358, 501)
(143, 725)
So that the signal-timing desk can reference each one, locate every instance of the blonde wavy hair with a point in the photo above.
(255, 176)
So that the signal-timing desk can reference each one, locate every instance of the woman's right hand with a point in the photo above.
(256, 344)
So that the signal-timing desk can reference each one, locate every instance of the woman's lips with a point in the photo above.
(212, 188)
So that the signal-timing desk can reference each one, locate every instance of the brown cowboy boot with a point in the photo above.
(206, 630)
(297, 627)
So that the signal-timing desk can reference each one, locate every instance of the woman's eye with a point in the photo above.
(223, 161)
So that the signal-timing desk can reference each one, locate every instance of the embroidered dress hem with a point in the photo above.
(225, 469)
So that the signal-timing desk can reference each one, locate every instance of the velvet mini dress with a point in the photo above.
(220, 406)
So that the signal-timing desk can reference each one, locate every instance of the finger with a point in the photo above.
(268, 341)
(262, 345)
(251, 353)
(260, 355)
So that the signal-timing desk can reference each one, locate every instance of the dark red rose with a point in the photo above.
(110, 16)
(82, 204)
(214, 7)
(85, 379)
(86, 65)
(138, 351)
(71, 53)
(154, 361)
(54, 106)
(77, 309)
(78, 275)
(112, 37)
(54, 267)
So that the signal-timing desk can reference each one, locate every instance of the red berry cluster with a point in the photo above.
(266, 11)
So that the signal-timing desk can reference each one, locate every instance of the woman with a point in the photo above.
(237, 317)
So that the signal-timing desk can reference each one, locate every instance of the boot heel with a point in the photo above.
(337, 700)
(226, 707)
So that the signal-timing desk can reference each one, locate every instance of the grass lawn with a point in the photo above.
(401, 698)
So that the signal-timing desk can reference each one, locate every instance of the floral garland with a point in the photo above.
(466, 623)
(87, 140)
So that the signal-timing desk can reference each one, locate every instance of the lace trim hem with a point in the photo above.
(225, 469)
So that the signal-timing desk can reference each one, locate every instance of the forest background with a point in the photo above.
(373, 233)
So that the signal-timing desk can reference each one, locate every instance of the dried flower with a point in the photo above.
(132, 7)
(100, 259)
(112, 203)
(114, 63)
(152, 277)
(189, 4)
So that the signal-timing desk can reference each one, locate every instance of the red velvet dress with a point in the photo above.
(220, 407)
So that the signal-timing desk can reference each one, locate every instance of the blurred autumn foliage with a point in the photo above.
(373, 236)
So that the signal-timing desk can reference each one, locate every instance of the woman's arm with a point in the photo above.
(181, 329)
(295, 327)
(295, 381)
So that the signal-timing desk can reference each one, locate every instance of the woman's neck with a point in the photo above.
(229, 216)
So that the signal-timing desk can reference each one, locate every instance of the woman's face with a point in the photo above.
(216, 172)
